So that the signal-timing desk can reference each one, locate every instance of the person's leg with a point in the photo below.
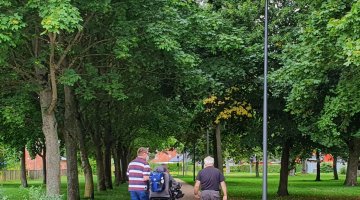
(143, 195)
(134, 195)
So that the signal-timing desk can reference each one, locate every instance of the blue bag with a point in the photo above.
(157, 181)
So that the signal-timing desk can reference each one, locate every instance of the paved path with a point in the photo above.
(187, 189)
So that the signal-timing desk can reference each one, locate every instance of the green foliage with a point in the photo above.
(246, 168)
(14, 110)
(37, 193)
(318, 77)
(247, 186)
(343, 170)
(69, 77)
(9, 26)
(326, 167)
(14, 191)
(142, 68)
(2, 195)
(8, 158)
(58, 15)
(172, 167)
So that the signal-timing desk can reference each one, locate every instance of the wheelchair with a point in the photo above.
(170, 192)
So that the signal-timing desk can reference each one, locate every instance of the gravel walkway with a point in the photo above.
(187, 189)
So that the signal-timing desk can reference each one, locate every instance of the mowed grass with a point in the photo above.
(14, 191)
(241, 186)
(246, 186)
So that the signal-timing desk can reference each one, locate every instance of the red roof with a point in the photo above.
(164, 156)
(328, 158)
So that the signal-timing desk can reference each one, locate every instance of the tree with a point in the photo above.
(317, 76)
(38, 25)
(19, 122)
(223, 108)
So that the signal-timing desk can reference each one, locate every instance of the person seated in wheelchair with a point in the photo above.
(171, 188)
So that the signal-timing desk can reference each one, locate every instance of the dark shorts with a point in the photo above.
(210, 195)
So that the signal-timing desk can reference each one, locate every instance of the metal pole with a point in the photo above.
(184, 163)
(207, 142)
(264, 192)
(194, 161)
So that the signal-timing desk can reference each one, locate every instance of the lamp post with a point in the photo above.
(207, 142)
(264, 188)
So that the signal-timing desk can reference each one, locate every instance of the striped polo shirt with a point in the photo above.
(137, 169)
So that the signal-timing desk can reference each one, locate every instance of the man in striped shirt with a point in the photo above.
(139, 172)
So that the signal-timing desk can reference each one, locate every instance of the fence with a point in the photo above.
(8, 175)
(35, 174)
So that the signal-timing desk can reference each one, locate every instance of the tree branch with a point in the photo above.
(52, 37)
(77, 36)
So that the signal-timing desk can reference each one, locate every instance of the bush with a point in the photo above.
(246, 168)
(37, 193)
(326, 167)
(173, 167)
(343, 170)
(3, 196)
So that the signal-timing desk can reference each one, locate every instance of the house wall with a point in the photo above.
(33, 164)
(37, 163)
(311, 166)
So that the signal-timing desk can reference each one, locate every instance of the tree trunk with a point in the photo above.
(72, 170)
(44, 165)
(317, 166)
(107, 156)
(49, 128)
(117, 166)
(284, 171)
(352, 167)
(89, 182)
(218, 148)
(23, 168)
(100, 166)
(336, 177)
(107, 166)
(304, 166)
(76, 130)
(124, 163)
(71, 133)
(257, 167)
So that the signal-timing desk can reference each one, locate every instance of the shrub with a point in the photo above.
(343, 170)
(3, 196)
(246, 168)
(37, 193)
(326, 167)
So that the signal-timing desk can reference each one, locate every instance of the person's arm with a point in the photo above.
(196, 189)
(146, 178)
(146, 172)
(223, 187)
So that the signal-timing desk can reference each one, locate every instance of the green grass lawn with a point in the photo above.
(246, 186)
(240, 185)
(13, 191)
